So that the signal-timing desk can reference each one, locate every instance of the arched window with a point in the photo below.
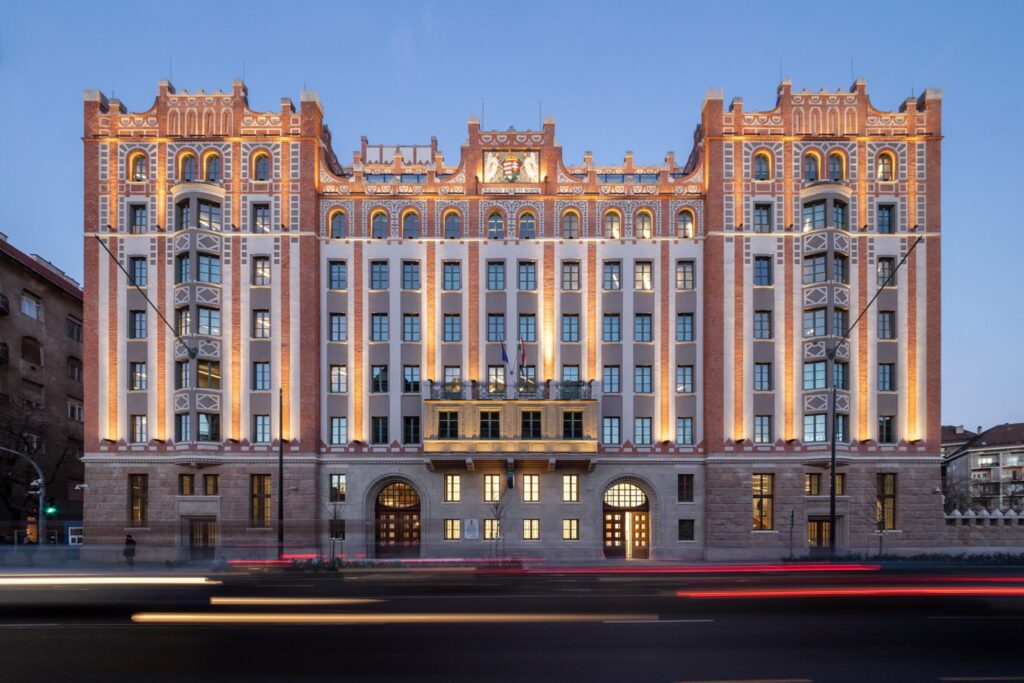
(188, 167)
(527, 226)
(836, 167)
(339, 225)
(570, 224)
(886, 167)
(495, 226)
(213, 168)
(453, 226)
(684, 223)
(31, 351)
(261, 167)
(138, 168)
(411, 225)
(811, 167)
(762, 167)
(612, 225)
(644, 226)
(379, 223)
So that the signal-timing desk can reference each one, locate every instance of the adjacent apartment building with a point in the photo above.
(505, 351)
(984, 470)
(41, 396)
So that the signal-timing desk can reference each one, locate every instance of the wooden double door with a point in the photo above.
(627, 534)
(397, 523)
(202, 537)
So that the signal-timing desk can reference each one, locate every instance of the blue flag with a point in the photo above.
(504, 354)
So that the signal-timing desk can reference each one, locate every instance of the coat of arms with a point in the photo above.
(511, 166)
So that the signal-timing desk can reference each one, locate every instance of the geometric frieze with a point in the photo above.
(209, 348)
(207, 295)
(818, 350)
(816, 296)
(824, 295)
(181, 296)
(819, 402)
(815, 241)
(205, 401)
(208, 242)
(182, 401)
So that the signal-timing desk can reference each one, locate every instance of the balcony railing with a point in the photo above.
(523, 391)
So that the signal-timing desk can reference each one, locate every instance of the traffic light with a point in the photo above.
(51, 507)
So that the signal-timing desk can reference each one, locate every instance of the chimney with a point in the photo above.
(959, 429)
(979, 429)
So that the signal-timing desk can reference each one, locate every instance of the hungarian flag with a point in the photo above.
(521, 353)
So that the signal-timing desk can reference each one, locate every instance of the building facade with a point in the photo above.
(507, 352)
(984, 470)
(41, 396)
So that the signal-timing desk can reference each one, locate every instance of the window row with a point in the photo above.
(208, 166)
(763, 489)
(815, 216)
(833, 168)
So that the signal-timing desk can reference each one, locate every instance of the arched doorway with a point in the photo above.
(627, 531)
(398, 521)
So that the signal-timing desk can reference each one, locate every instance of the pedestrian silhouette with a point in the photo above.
(129, 550)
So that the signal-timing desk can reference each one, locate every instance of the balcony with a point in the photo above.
(523, 391)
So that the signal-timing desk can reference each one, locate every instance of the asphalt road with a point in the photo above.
(467, 625)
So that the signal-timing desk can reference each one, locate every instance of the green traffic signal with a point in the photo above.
(51, 507)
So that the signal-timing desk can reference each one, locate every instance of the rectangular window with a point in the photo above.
(336, 528)
(886, 267)
(260, 217)
(684, 431)
(261, 324)
(887, 377)
(610, 430)
(840, 375)
(839, 322)
(183, 322)
(841, 423)
(411, 379)
(762, 376)
(379, 275)
(495, 327)
(182, 269)
(184, 215)
(886, 324)
(210, 216)
(137, 377)
(685, 275)
(137, 218)
(492, 488)
(492, 530)
(140, 431)
(814, 428)
(611, 328)
(211, 485)
(885, 504)
(570, 328)
(339, 327)
(814, 375)
(570, 275)
(182, 427)
(448, 424)
(137, 267)
(527, 275)
(531, 488)
(812, 484)
(452, 280)
(530, 420)
(570, 529)
(684, 327)
(261, 428)
(764, 485)
(570, 488)
(496, 379)
(642, 383)
(410, 274)
(840, 484)
(379, 327)
(339, 488)
(337, 275)
(528, 327)
(531, 529)
(762, 324)
(762, 429)
(73, 328)
(886, 429)
(762, 217)
(209, 427)
(686, 530)
(76, 411)
(814, 269)
(452, 327)
(841, 269)
(452, 378)
(612, 275)
(261, 376)
(610, 383)
(452, 488)
(490, 424)
(452, 529)
(182, 375)
(208, 374)
(339, 431)
(411, 429)
(378, 379)
(814, 322)
(814, 215)
(762, 271)
(259, 500)
(642, 431)
(379, 432)
(31, 306)
(410, 327)
(643, 327)
(684, 379)
(138, 499)
(136, 324)
(338, 379)
(572, 424)
(495, 275)
(839, 215)
(209, 269)
(643, 276)
(261, 271)
(684, 488)
(209, 322)
(886, 222)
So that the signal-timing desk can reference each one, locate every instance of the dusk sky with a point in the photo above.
(616, 77)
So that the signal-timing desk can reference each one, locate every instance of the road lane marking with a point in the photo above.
(396, 618)
(659, 621)
(291, 601)
(755, 680)
(22, 581)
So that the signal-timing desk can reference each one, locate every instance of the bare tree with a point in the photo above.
(27, 427)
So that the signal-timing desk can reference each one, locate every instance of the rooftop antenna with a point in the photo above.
(243, 70)
(780, 69)
(482, 127)
(540, 115)
(170, 69)
(852, 77)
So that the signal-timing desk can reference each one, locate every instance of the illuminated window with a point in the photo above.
(261, 167)
(452, 488)
(339, 225)
(531, 529)
(762, 166)
(452, 226)
(570, 488)
(495, 226)
(259, 500)
(885, 503)
(684, 224)
(527, 226)
(452, 529)
(570, 529)
(812, 484)
(643, 276)
(411, 225)
(886, 167)
(208, 374)
(644, 226)
(379, 225)
(492, 488)
(138, 168)
(138, 499)
(492, 529)
(811, 167)
(570, 225)
(612, 225)
(338, 488)
(763, 488)
(213, 168)
(261, 271)
(260, 324)
(338, 379)
(836, 167)
(531, 488)
(625, 496)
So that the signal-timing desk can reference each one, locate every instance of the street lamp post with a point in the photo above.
(40, 514)
(280, 473)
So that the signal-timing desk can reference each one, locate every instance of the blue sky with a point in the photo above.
(617, 76)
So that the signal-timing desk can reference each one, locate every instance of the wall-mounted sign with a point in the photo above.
(511, 167)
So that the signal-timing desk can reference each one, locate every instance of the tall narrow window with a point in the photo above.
(411, 226)
(453, 226)
(261, 271)
(379, 225)
(138, 168)
(452, 488)
(886, 167)
(213, 168)
(137, 268)
(570, 488)
(885, 504)
(137, 218)
(643, 276)
(531, 488)
(261, 429)
(764, 507)
(684, 224)
(138, 499)
(338, 488)
(259, 501)
(261, 168)
(612, 225)
(339, 225)
(644, 225)
(836, 167)
(492, 488)
(762, 169)
(188, 168)
(811, 167)
(527, 226)
(886, 219)
(570, 225)
(684, 431)
(762, 217)
(495, 226)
